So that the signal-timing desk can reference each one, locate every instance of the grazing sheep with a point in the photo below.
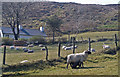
(17, 48)
(63, 47)
(68, 48)
(30, 51)
(106, 46)
(41, 45)
(24, 61)
(24, 48)
(43, 49)
(74, 59)
(31, 45)
(12, 47)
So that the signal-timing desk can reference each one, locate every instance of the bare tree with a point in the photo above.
(54, 24)
(14, 13)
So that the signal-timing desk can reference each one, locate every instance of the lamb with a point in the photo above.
(74, 59)
(106, 46)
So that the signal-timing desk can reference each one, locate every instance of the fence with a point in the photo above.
(49, 52)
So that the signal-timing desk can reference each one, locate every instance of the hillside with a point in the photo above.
(76, 17)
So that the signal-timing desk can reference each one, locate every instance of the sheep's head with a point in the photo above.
(87, 52)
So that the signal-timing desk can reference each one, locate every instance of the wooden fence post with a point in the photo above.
(89, 44)
(116, 40)
(59, 45)
(4, 55)
(73, 45)
(46, 52)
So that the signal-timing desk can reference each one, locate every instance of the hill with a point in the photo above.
(76, 17)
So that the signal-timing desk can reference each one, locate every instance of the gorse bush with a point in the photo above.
(7, 41)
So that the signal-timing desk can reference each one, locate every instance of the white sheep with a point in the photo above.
(68, 48)
(43, 49)
(41, 45)
(31, 45)
(30, 51)
(24, 48)
(63, 47)
(12, 47)
(106, 46)
(24, 61)
(76, 58)
(17, 48)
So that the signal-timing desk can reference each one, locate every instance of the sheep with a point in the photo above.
(106, 46)
(17, 48)
(41, 45)
(24, 61)
(30, 51)
(68, 48)
(12, 47)
(24, 48)
(74, 59)
(43, 49)
(63, 47)
(31, 45)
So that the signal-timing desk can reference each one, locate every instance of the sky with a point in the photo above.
(103, 2)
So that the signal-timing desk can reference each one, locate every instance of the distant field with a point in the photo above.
(97, 64)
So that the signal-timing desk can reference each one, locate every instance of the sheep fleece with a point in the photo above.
(76, 57)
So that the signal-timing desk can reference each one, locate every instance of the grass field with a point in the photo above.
(97, 63)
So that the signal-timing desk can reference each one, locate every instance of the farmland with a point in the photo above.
(97, 64)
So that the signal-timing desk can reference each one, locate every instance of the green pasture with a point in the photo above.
(97, 63)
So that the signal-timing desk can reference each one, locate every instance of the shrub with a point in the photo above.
(7, 41)
(23, 39)
(20, 43)
(37, 39)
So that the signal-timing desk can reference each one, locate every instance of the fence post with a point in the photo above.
(59, 45)
(46, 52)
(89, 44)
(116, 40)
(73, 45)
(4, 55)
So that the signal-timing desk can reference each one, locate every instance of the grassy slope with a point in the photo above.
(96, 64)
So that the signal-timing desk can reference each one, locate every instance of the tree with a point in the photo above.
(54, 24)
(13, 14)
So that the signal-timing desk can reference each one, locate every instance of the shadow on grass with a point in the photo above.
(87, 67)
(83, 67)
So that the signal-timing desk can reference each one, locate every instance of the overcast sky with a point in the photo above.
(103, 2)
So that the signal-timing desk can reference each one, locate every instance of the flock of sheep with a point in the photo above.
(73, 59)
